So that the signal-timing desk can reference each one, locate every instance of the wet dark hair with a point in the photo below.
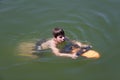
(58, 31)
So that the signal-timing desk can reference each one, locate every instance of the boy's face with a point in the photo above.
(60, 38)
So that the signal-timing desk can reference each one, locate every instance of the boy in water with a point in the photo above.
(58, 42)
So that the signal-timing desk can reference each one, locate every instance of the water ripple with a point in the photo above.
(102, 15)
(92, 24)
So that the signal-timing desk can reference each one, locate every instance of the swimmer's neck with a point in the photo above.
(56, 42)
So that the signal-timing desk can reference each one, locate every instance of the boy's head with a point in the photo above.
(59, 34)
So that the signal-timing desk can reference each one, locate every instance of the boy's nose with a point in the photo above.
(63, 39)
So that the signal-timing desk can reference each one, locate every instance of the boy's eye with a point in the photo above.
(60, 37)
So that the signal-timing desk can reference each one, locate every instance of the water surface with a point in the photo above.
(93, 21)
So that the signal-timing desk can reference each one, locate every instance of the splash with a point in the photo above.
(26, 49)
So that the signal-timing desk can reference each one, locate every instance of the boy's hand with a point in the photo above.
(74, 56)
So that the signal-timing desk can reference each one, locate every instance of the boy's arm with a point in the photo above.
(57, 53)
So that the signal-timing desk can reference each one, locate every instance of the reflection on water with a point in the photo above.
(24, 21)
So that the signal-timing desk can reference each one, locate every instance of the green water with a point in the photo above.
(94, 21)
